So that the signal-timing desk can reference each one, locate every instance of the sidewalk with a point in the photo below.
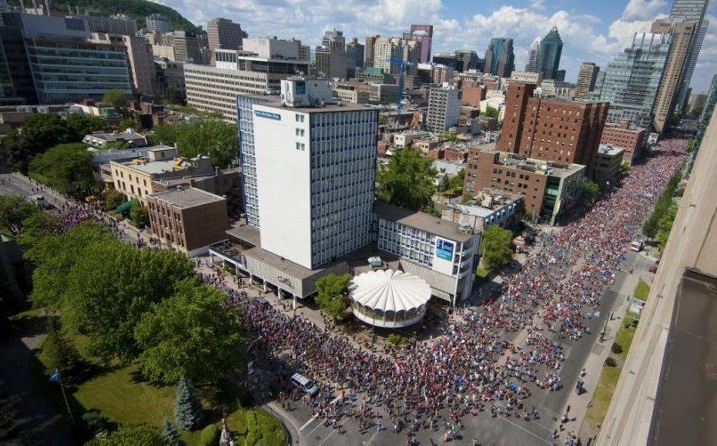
(594, 364)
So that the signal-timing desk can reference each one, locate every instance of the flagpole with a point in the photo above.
(67, 403)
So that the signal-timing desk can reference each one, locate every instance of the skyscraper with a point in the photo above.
(424, 35)
(547, 60)
(315, 165)
(369, 49)
(354, 54)
(331, 59)
(672, 76)
(633, 77)
(158, 23)
(586, 79)
(224, 34)
(499, 57)
(533, 56)
(690, 10)
(444, 109)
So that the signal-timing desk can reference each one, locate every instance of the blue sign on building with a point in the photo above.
(268, 115)
(444, 249)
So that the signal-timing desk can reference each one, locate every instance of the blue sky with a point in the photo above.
(592, 30)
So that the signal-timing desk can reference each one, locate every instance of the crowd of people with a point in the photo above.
(491, 357)
(481, 362)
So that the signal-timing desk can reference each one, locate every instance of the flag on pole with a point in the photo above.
(55, 377)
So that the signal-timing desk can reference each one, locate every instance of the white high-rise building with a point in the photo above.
(444, 109)
(309, 168)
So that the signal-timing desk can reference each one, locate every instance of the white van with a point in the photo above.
(304, 384)
(636, 246)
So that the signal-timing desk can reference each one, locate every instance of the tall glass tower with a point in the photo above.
(548, 57)
(691, 10)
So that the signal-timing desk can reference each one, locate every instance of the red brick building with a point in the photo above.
(472, 93)
(189, 219)
(619, 135)
(551, 129)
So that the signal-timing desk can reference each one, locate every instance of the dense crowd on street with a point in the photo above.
(491, 357)
(474, 364)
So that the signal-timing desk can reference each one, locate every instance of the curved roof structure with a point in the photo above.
(388, 290)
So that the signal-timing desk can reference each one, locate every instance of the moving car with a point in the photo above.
(304, 384)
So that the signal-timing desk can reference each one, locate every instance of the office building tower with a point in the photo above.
(466, 60)
(117, 24)
(315, 164)
(386, 49)
(257, 69)
(444, 109)
(547, 61)
(17, 81)
(447, 59)
(683, 33)
(331, 59)
(631, 80)
(499, 57)
(354, 56)
(551, 129)
(586, 80)
(158, 23)
(693, 11)
(369, 49)
(531, 66)
(186, 47)
(423, 34)
(697, 103)
(223, 34)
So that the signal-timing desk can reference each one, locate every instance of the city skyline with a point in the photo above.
(591, 32)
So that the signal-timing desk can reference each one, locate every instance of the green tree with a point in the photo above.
(444, 184)
(38, 133)
(133, 436)
(14, 210)
(330, 298)
(113, 198)
(174, 95)
(590, 190)
(664, 226)
(38, 225)
(210, 435)
(61, 354)
(139, 215)
(496, 247)
(407, 180)
(625, 167)
(97, 425)
(170, 436)
(188, 412)
(190, 334)
(212, 137)
(116, 98)
(456, 181)
(662, 206)
(81, 125)
(67, 168)
(491, 112)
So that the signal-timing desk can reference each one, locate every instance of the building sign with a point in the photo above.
(444, 249)
(267, 115)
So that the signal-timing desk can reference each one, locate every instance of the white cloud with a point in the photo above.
(643, 9)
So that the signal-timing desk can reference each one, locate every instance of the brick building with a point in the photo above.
(548, 187)
(551, 129)
(189, 219)
(472, 93)
(619, 135)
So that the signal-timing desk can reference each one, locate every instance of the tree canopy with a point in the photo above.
(67, 168)
(212, 137)
(116, 98)
(14, 210)
(330, 294)
(590, 190)
(190, 334)
(491, 112)
(496, 246)
(407, 180)
(41, 131)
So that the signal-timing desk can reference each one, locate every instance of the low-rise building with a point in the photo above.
(103, 139)
(405, 139)
(137, 178)
(440, 252)
(188, 219)
(549, 188)
(620, 135)
(489, 207)
(607, 162)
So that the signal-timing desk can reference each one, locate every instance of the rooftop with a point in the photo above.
(186, 198)
(275, 102)
(610, 150)
(554, 169)
(114, 136)
(421, 220)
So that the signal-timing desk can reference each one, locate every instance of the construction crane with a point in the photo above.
(402, 64)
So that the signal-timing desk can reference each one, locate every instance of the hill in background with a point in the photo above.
(137, 9)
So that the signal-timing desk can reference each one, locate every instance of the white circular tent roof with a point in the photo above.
(388, 290)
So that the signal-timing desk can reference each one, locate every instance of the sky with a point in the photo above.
(593, 31)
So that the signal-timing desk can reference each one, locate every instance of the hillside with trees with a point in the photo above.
(137, 9)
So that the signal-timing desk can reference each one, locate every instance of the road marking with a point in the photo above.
(317, 426)
(327, 437)
(307, 423)
(526, 430)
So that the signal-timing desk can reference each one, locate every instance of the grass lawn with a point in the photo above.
(610, 375)
(642, 290)
(120, 395)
